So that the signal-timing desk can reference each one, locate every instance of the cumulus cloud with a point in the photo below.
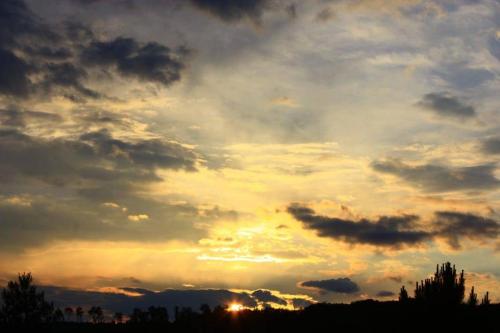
(446, 105)
(266, 296)
(148, 62)
(340, 285)
(455, 225)
(232, 11)
(441, 178)
(491, 145)
(402, 230)
(392, 231)
(95, 156)
(36, 58)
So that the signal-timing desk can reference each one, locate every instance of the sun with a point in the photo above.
(235, 307)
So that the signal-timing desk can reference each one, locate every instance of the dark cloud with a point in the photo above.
(148, 62)
(14, 74)
(385, 293)
(340, 285)
(95, 156)
(170, 298)
(396, 278)
(454, 225)
(397, 231)
(13, 117)
(18, 24)
(440, 178)
(231, 11)
(34, 59)
(300, 303)
(460, 76)
(494, 46)
(446, 105)
(491, 145)
(392, 231)
(267, 297)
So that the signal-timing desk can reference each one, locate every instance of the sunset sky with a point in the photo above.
(293, 151)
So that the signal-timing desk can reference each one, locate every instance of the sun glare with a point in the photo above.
(235, 307)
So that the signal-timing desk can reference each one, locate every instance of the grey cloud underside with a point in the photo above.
(267, 297)
(387, 231)
(169, 298)
(453, 226)
(385, 293)
(441, 178)
(491, 146)
(95, 156)
(231, 11)
(446, 105)
(340, 285)
(64, 183)
(16, 118)
(396, 231)
(37, 59)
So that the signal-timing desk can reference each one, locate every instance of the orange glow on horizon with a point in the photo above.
(235, 307)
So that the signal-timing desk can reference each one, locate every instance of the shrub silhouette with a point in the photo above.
(22, 303)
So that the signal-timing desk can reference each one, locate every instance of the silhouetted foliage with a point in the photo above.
(96, 314)
(444, 288)
(403, 295)
(68, 312)
(486, 299)
(407, 315)
(472, 301)
(79, 314)
(118, 317)
(22, 303)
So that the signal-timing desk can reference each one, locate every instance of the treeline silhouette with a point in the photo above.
(437, 305)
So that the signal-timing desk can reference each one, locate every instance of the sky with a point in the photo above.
(270, 151)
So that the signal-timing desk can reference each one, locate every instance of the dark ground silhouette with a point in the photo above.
(438, 305)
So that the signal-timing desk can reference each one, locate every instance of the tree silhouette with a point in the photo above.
(58, 316)
(68, 311)
(403, 295)
(22, 303)
(96, 314)
(79, 314)
(472, 301)
(486, 299)
(445, 288)
(118, 317)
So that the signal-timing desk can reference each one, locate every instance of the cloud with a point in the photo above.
(14, 74)
(402, 230)
(151, 62)
(391, 231)
(267, 297)
(232, 11)
(300, 303)
(491, 145)
(385, 293)
(440, 178)
(95, 156)
(447, 106)
(123, 301)
(340, 285)
(456, 225)
(68, 179)
(46, 60)
(14, 117)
